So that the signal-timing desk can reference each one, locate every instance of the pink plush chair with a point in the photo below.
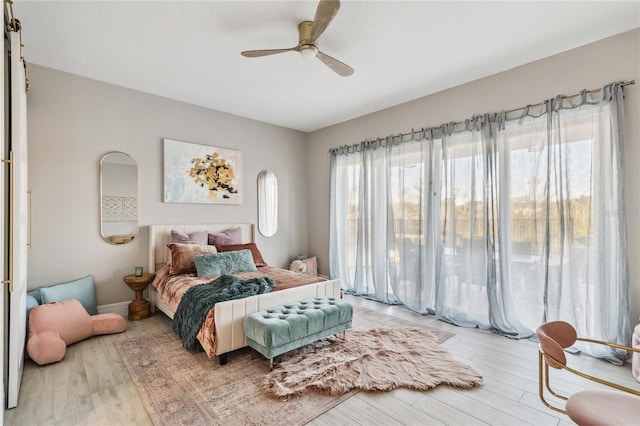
(588, 407)
(603, 407)
(53, 326)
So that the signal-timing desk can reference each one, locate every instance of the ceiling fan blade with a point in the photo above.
(339, 67)
(256, 53)
(326, 11)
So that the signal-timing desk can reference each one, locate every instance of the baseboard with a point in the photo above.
(121, 308)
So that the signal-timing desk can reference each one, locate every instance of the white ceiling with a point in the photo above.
(400, 50)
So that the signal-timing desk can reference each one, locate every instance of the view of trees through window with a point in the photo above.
(529, 197)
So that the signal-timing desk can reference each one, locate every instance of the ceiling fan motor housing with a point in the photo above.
(305, 47)
(304, 31)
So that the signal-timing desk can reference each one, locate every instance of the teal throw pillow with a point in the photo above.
(81, 290)
(36, 295)
(230, 262)
(32, 302)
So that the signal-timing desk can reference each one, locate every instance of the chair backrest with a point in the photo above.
(554, 336)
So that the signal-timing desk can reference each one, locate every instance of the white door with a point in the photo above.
(20, 218)
(3, 237)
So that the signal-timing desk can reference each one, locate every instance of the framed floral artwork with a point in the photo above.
(195, 173)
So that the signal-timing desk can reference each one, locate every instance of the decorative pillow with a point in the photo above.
(255, 253)
(32, 302)
(53, 326)
(312, 266)
(224, 263)
(230, 236)
(181, 258)
(36, 295)
(298, 266)
(194, 238)
(81, 290)
(34, 298)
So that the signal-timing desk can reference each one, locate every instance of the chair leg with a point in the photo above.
(270, 364)
(543, 376)
(551, 391)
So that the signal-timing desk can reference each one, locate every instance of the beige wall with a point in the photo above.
(590, 66)
(74, 121)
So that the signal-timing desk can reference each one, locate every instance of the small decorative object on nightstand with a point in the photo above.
(139, 307)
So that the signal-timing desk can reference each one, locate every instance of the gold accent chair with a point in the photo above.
(586, 407)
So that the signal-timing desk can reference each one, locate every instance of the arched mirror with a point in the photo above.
(118, 198)
(267, 203)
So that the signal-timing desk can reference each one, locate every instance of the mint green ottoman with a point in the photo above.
(277, 330)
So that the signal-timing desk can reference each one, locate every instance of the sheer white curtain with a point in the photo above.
(358, 239)
(502, 222)
(562, 252)
(412, 221)
(381, 209)
(465, 194)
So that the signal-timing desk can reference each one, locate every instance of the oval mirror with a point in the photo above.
(267, 203)
(118, 198)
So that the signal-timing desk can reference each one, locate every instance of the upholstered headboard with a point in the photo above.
(159, 238)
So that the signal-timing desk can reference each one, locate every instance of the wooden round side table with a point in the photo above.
(139, 307)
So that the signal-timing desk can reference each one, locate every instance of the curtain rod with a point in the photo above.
(588, 92)
(624, 83)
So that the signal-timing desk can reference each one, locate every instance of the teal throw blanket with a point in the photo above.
(198, 300)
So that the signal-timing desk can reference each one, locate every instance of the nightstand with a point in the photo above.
(139, 307)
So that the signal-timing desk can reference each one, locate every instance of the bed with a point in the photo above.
(228, 316)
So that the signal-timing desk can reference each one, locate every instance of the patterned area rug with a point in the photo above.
(179, 388)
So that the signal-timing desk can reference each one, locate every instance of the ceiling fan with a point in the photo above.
(308, 33)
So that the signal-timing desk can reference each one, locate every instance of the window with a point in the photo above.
(502, 227)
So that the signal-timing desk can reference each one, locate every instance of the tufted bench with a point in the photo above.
(277, 330)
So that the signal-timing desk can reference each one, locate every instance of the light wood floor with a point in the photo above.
(92, 387)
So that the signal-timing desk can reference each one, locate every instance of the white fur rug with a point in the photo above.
(374, 360)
